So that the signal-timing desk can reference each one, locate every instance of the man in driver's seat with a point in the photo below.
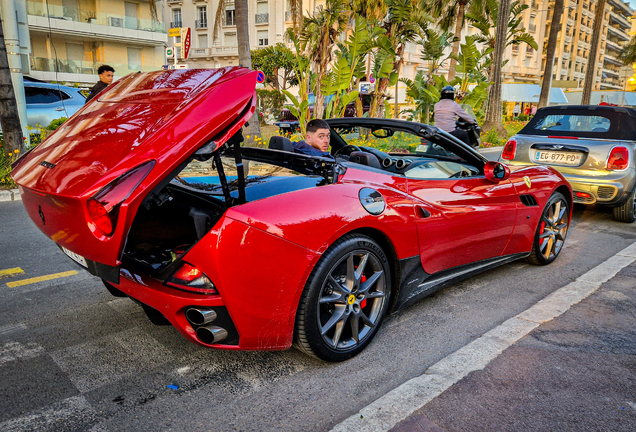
(317, 141)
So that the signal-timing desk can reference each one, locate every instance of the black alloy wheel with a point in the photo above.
(627, 212)
(551, 231)
(344, 301)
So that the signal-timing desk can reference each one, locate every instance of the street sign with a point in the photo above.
(185, 32)
(260, 77)
(169, 52)
(174, 32)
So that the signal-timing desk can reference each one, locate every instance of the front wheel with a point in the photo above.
(551, 231)
(627, 212)
(345, 299)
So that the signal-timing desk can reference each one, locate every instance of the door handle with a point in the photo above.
(422, 212)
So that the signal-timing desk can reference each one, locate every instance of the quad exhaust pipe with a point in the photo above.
(206, 332)
(200, 316)
(211, 334)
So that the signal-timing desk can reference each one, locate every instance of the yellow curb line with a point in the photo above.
(10, 272)
(40, 279)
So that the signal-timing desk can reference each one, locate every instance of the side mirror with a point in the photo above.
(382, 133)
(496, 171)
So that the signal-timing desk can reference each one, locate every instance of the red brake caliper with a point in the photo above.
(363, 303)
(541, 232)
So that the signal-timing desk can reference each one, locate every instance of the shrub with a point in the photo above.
(271, 102)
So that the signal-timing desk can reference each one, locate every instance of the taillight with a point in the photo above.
(190, 278)
(618, 159)
(509, 150)
(103, 207)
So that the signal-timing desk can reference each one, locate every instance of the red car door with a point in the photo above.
(462, 220)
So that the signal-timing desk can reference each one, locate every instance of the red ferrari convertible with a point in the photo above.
(148, 188)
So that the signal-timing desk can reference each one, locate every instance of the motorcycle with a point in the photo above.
(473, 131)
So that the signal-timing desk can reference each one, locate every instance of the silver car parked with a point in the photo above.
(592, 146)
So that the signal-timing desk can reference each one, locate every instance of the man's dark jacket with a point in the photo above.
(96, 89)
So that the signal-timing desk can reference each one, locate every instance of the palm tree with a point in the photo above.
(555, 26)
(451, 13)
(590, 70)
(9, 118)
(493, 112)
(319, 35)
(404, 22)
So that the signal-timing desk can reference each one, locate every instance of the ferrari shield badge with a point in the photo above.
(528, 181)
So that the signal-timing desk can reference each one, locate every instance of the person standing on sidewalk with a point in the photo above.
(105, 74)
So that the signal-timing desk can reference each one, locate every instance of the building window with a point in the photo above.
(230, 16)
(132, 15)
(202, 17)
(135, 58)
(203, 41)
(177, 50)
(230, 39)
(263, 38)
(176, 18)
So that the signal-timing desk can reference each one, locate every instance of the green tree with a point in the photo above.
(450, 13)
(319, 35)
(277, 63)
(404, 22)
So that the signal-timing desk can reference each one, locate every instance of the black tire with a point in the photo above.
(627, 212)
(341, 303)
(551, 231)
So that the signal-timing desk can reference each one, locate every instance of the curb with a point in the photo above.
(10, 195)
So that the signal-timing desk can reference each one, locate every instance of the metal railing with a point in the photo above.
(92, 16)
(201, 24)
(176, 24)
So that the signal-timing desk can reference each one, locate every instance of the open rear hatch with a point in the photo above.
(84, 184)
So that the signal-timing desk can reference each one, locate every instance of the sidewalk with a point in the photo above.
(10, 195)
(576, 372)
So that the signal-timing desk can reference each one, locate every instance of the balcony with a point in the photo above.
(610, 73)
(262, 18)
(619, 33)
(621, 20)
(64, 19)
(201, 24)
(221, 51)
(613, 45)
(200, 52)
(176, 24)
(77, 70)
(612, 60)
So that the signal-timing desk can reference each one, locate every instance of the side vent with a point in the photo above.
(528, 200)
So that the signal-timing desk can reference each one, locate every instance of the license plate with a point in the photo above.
(284, 125)
(75, 257)
(560, 158)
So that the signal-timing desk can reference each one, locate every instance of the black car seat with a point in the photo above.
(281, 143)
(365, 158)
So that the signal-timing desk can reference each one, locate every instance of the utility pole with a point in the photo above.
(9, 117)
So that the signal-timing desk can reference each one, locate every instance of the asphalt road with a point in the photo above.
(72, 357)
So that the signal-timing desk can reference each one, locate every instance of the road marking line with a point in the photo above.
(40, 279)
(10, 272)
(61, 415)
(395, 406)
(15, 350)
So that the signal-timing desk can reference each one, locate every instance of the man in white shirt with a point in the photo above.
(446, 113)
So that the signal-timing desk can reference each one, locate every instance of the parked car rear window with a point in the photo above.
(573, 123)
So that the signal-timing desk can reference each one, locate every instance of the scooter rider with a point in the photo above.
(446, 113)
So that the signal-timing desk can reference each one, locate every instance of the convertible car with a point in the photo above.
(248, 248)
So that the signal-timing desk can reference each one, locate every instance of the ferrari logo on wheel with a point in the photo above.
(352, 299)
(528, 181)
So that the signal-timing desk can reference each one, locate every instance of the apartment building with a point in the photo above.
(573, 44)
(70, 39)
(268, 22)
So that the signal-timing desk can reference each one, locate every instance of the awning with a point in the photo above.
(511, 92)
(615, 97)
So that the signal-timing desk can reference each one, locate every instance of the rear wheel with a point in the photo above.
(551, 231)
(627, 212)
(345, 300)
